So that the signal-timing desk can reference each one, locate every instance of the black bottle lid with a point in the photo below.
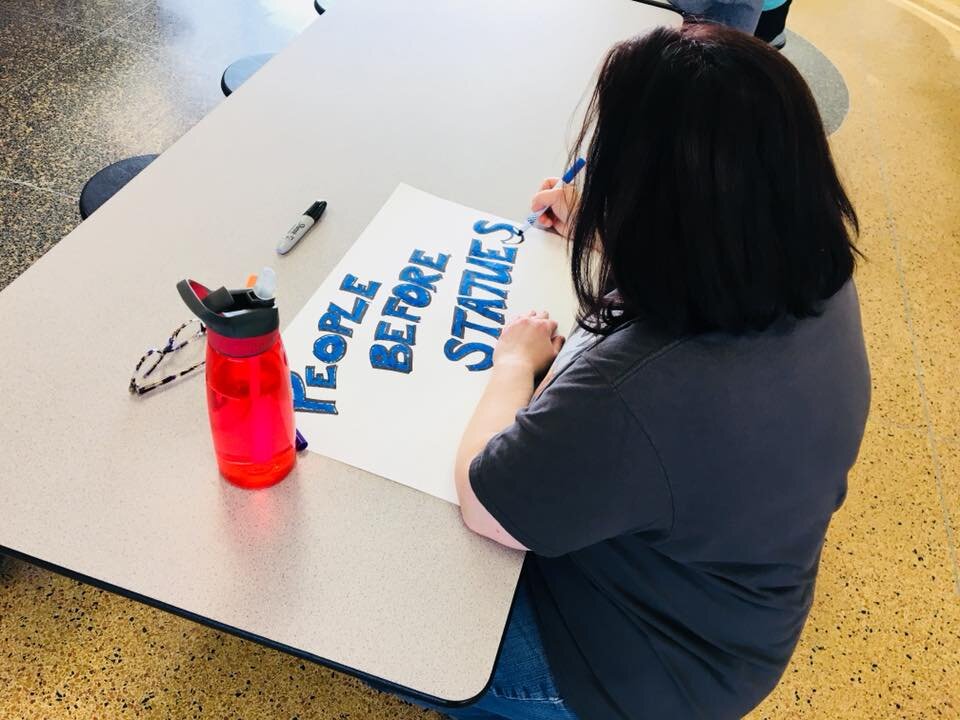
(231, 313)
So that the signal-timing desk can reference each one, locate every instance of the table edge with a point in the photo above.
(374, 681)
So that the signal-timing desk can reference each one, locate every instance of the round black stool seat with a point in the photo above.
(239, 71)
(318, 7)
(102, 186)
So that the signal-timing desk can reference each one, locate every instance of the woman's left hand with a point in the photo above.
(529, 342)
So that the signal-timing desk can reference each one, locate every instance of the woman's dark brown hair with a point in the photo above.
(709, 190)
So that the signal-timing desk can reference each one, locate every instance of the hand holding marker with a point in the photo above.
(567, 178)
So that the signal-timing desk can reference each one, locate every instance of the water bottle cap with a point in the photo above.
(234, 313)
(266, 287)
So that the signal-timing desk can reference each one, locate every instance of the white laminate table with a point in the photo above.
(471, 100)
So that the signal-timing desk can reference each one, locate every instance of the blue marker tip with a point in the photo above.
(573, 171)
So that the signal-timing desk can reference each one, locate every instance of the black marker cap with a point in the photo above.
(316, 210)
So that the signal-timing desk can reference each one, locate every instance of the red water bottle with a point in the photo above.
(249, 398)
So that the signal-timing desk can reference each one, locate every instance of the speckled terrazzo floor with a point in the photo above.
(88, 82)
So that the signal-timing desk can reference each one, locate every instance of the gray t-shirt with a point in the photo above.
(676, 494)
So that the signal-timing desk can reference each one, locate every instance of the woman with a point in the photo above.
(675, 478)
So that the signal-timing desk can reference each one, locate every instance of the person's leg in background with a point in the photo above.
(523, 687)
(740, 14)
(773, 22)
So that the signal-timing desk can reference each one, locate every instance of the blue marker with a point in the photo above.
(301, 442)
(565, 180)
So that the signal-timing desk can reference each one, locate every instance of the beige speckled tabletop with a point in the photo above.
(333, 563)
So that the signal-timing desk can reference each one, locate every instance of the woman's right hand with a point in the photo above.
(561, 202)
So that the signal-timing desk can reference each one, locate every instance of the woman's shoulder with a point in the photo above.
(627, 349)
(636, 350)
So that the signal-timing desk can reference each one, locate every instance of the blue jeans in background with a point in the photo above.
(740, 14)
(523, 687)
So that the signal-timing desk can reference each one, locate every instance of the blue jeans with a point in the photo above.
(523, 687)
(740, 14)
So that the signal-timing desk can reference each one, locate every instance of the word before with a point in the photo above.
(395, 351)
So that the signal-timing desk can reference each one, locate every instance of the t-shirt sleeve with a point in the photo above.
(575, 468)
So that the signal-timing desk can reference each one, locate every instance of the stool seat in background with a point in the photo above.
(239, 71)
(105, 183)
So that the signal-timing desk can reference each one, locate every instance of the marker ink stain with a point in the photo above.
(514, 239)
(483, 227)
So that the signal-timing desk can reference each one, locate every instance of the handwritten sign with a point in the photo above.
(389, 357)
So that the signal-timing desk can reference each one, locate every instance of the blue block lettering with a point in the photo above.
(460, 323)
(483, 227)
(412, 295)
(415, 275)
(386, 332)
(484, 307)
(507, 254)
(328, 381)
(393, 308)
(456, 351)
(502, 272)
(351, 285)
(330, 321)
(302, 403)
(440, 263)
(398, 358)
(470, 280)
(330, 349)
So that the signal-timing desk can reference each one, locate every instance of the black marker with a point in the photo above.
(310, 216)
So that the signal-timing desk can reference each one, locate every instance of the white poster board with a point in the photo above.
(390, 355)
